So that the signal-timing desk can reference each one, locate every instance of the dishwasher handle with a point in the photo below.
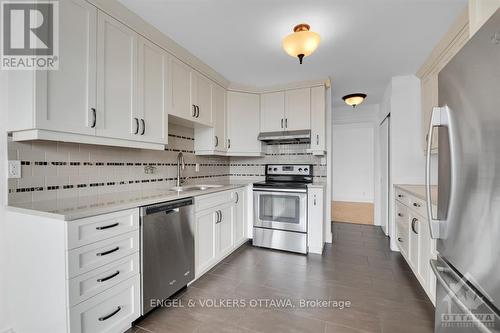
(167, 207)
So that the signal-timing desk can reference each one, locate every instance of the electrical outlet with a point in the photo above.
(14, 169)
(197, 167)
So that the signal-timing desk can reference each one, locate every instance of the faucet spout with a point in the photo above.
(180, 166)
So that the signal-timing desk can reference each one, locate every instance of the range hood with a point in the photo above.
(302, 136)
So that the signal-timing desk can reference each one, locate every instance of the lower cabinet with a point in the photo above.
(219, 229)
(414, 239)
(315, 220)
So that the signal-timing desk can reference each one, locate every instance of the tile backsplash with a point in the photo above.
(53, 170)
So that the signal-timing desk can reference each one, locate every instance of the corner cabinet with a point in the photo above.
(243, 124)
(413, 238)
(444, 51)
(94, 96)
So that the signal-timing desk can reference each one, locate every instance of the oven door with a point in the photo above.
(280, 209)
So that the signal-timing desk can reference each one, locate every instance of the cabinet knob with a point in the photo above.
(400, 239)
(416, 204)
(400, 215)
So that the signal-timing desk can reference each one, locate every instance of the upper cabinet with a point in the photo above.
(450, 44)
(191, 94)
(272, 112)
(285, 110)
(298, 109)
(243, 124)
(318, 120)
(479, 12)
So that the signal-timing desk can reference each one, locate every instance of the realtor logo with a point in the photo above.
(30, 35)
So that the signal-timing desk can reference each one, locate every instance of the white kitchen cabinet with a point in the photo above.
(205, 240)
(180, 90)
(201, 98)
(212, 140)
(298, 109)
(239, 215)
(272, 112)
(413, 238)
(74, 84)
(116, 79)
(243, 124)
(315, 220)
(318, 121)
(151, 116)
(225, 231)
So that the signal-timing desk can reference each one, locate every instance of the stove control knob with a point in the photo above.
(269, 169)
(275, 169)
(305, 169)
(300, 169)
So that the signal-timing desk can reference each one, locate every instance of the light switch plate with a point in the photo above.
(14, 169)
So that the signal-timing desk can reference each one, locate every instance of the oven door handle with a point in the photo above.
(280, 190)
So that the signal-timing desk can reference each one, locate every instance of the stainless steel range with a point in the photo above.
(280, 207)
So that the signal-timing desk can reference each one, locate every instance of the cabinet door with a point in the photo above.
(225, 231)
(219, 114)
(298, 109)
(424, 267)
(272, 112)
(318, 119)
(201, 96)
(429, 88)
(180, 90)
(315, 227)
(239, 214)
(243, 123)
(66, 97)
(205, 241)
(414, 241)
(117, 78)
(151, 117)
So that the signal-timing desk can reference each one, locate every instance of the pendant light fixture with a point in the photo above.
(354, 99)
(301, 42)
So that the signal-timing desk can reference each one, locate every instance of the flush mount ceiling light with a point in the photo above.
(302, 42)
(354, 99)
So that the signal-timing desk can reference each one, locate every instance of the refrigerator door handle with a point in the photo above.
(440, 267)
(439, 118)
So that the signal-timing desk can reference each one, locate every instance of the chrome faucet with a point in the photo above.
(180, 166)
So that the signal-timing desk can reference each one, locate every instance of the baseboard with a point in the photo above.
(352, 212)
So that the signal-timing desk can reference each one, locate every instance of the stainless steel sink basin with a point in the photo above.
(194, 188)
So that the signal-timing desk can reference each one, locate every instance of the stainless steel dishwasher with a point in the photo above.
(167, 245)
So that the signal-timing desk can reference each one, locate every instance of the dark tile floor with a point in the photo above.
(358, 267)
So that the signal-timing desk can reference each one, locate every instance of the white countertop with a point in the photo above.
(69, 209)
(419, 191)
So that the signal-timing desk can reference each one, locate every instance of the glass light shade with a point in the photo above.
(354, 99)
(301, 42)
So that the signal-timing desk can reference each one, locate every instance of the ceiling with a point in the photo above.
(364, 42)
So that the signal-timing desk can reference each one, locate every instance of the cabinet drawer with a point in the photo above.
(89, 257)
(402, 236)
(111, 311)
(213, 200)
(418, 205)
(97, 228)
(401, 213)
(401, 196)
(92, 283)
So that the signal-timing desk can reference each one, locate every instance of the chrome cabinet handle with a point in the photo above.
(216, 141)
(94, 115)
(197, 111)
(108, 277)
(221, 217)
(281, 122)
(194, 111)
(111, 314)
(317, 139)
(413, 221)
(187, 273)
(143, 126)
(237, 197)
(400, 239)
(136, 125)
(104, 227)
(286, 122)
(100, 254)
(228, 143)
(172, 282)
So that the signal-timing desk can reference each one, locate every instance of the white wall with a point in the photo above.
(354, 150)
(4, 304)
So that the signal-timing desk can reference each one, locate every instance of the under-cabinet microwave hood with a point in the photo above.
(303, 136)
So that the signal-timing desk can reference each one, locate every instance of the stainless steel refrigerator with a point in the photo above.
(467, 222)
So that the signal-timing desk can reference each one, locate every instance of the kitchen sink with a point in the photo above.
(194, 188)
